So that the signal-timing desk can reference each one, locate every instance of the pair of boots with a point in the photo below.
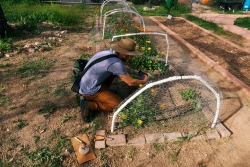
(87, 116)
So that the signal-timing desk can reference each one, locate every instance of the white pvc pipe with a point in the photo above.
(148, 33)
(149, 85)
(128, 11)
(107, 1)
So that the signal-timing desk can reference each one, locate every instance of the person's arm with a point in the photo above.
(133, 82)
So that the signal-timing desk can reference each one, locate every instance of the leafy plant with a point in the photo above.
(45, 157)
(138, 113)
(191, 96)
(66, 117)
(5, 45)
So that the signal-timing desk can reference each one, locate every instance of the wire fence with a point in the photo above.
(178, 97)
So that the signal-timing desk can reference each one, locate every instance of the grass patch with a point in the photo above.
(207, 25)
(177, 10)
(4, 100)
(243, 22)
(20, 124)
(45, 157)
(39, 67)
(5, 45)
(61, 90)
(48, 109)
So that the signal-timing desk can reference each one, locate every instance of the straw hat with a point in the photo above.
(126, 46)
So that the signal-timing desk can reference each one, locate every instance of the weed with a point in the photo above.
(159, 146)
(41, 67)
(45, 157)
(36, 138)
(61, 141)
(130, 152)
(60, 90)
(173, 156)
(191, 96)
(4, 100)
(20, 124)
(48, 109)
(66, 117)
(6, 45)
(5, 65)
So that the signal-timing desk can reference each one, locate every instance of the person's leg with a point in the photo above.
(103, 100)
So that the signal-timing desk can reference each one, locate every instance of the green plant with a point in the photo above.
(138, 113)
(159, 146)
(48, 109)
(36, 138)
(20, 123)
(39, 67)
(61, 141)
(173, 156)
(4, 100)
(243, 22)
(191, 96)
(60, 90)
(5, 65)
(130, 152)
(45, 157)
(6, 45)
(66, 117)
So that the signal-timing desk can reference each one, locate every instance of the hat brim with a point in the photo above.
(114, 45)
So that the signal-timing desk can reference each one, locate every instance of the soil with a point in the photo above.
(24, 98)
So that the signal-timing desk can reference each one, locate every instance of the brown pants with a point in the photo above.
(104, 99)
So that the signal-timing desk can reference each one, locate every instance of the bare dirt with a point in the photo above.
(23, 97)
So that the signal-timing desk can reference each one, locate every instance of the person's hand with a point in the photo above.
(146, 77)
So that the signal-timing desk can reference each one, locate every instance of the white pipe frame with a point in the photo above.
(107, 1)
(148, 33)
(149, 85)
(142, 24)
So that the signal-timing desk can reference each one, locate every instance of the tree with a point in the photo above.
(4, 27)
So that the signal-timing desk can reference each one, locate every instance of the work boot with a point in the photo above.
(85, 110)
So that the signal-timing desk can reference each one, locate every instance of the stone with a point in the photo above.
(212, 135)
(154, 137)
(222, 130)
(119, 140)
(137, 141)
(172, 136)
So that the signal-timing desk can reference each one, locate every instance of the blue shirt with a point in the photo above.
(92, 80)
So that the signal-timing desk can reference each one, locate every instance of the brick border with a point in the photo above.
(204, 58)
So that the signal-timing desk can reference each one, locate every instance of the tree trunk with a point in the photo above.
(4, 27)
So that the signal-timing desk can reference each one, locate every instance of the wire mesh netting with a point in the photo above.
(170, 101)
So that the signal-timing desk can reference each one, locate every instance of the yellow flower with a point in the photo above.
(162, 53)
(149, 48)
(140, 85)
(162, 106)
(152, 90)
(136, 47)
(139, 121)
(142, 48)
(148, 41)
(123, 116)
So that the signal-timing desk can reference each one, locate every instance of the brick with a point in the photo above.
(137, 141)
(223, 131)
(155, 137)
(212, 135)
(100, 144)
(200, 137)
(119, 140)
(101, 132)
(172, 136)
